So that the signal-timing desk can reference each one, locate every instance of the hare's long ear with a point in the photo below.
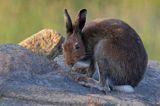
(81, 19)
(69, 27)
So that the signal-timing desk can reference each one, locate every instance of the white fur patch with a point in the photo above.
(81, 64)
(124, 88)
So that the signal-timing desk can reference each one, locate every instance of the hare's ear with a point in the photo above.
(69, 27)
(81, 19)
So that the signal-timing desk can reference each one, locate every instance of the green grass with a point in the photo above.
(22, 18)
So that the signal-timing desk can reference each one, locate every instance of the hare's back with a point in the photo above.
(117, 33)
(108, 28)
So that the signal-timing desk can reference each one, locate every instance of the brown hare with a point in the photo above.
(113, 47)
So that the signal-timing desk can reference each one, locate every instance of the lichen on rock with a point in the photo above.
(46, 43)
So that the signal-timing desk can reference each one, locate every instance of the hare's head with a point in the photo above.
(73, 47)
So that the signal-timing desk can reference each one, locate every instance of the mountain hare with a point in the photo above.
(114, 48)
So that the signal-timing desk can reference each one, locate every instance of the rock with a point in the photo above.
(146, 93)
(46, 42)
(14, 57)
(30, 79)
(25, 76)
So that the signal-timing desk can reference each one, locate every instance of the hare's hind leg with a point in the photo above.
(103, 69)
(106, 82)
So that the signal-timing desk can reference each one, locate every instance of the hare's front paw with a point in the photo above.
(89, 82)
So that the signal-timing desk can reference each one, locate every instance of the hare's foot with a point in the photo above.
(90, 82)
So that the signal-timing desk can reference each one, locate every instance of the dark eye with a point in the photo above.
(77, 46)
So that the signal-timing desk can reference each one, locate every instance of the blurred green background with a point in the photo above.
(22, 18)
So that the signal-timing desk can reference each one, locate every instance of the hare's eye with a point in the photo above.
(77, 46)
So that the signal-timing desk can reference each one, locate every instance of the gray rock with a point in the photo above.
(29, 79)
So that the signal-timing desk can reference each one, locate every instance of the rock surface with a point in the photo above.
(30, 79)
(46, 42)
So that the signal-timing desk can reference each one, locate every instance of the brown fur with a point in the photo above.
(74, 54)
(117, 49)
(120, 45)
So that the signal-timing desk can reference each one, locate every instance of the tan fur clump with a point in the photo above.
(46, 42)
